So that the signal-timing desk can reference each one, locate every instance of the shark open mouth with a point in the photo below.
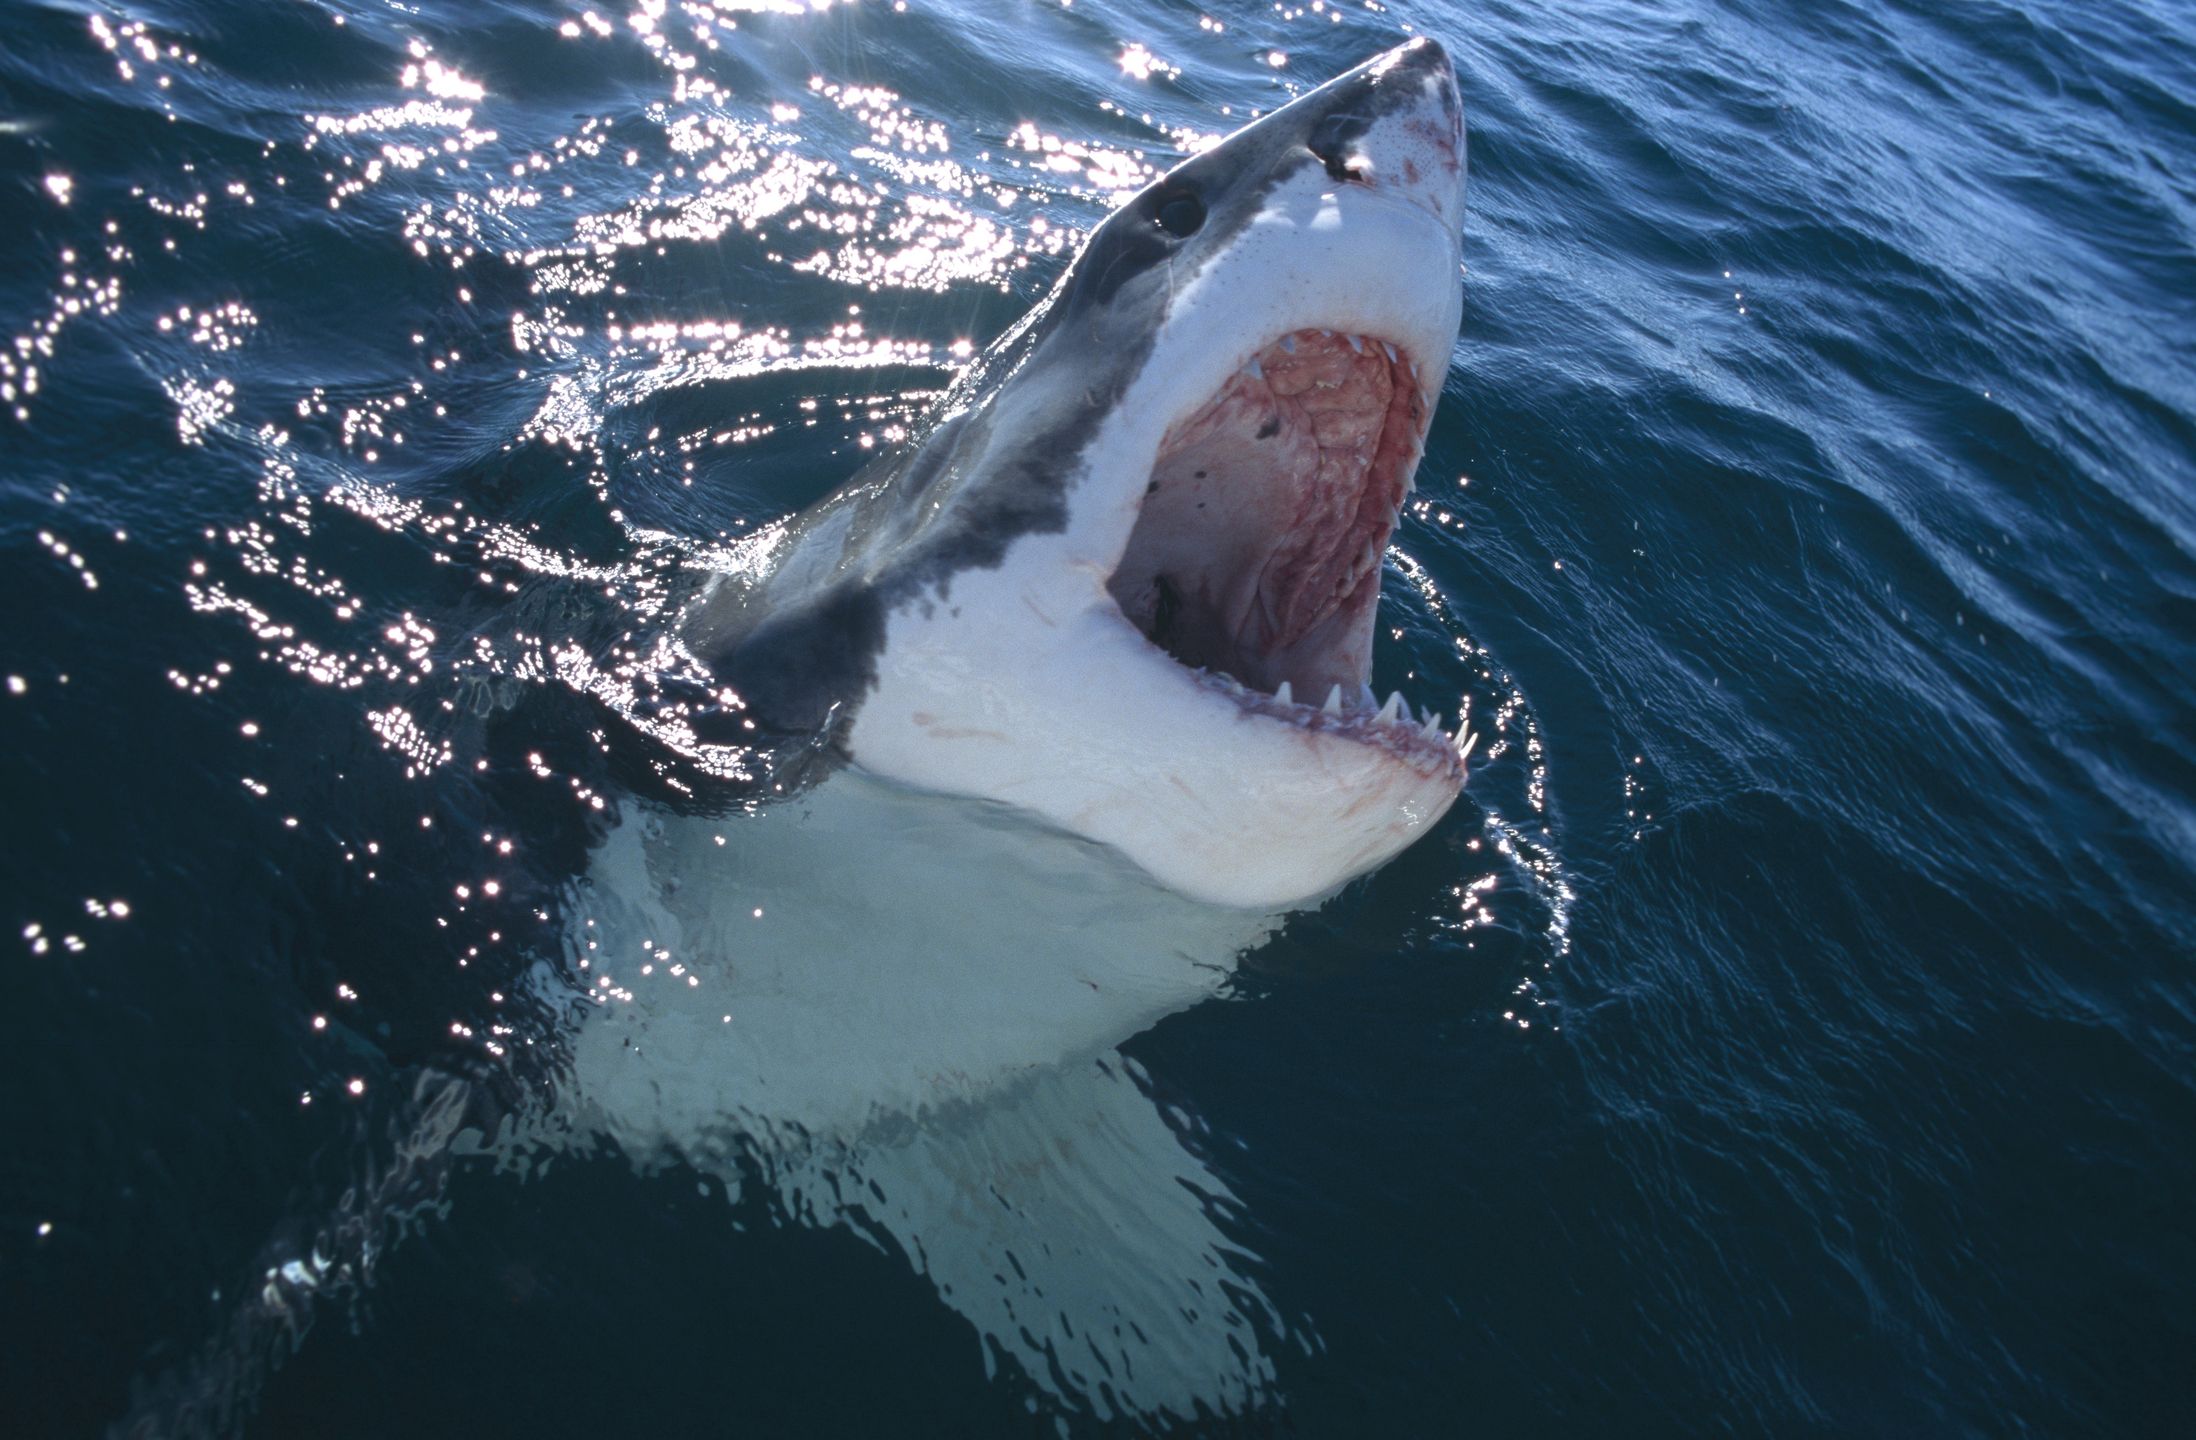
(1255, 558)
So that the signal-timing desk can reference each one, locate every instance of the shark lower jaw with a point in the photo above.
(1254, 563)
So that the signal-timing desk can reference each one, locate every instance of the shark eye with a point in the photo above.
(1181, 214)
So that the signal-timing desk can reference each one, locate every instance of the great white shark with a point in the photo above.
(1126, 580)
(1125, 584)
(1097, 648)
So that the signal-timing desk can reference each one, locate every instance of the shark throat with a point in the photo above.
(1256, 551)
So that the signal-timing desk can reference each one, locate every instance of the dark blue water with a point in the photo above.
(1793, 1031)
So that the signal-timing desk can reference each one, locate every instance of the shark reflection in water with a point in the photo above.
(923, 1048)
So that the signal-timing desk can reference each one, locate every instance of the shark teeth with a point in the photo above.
(1393, 726)
(1292, 342)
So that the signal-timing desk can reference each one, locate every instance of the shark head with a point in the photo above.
(1127, 581)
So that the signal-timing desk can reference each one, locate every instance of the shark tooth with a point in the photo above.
(1288, 344)
(1390, 349)
(1284, 694)
(1357, 343)
(1432, 730)
(1334, 700)
(1466, 748)
(1255, 370)
(1394, 707)
(1365, 697)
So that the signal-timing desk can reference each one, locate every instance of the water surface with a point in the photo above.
(1792, 1031)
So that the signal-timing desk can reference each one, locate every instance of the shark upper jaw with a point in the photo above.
(1179, 671)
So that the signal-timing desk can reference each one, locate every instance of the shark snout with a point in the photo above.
(1395, 126)
(1424, 60)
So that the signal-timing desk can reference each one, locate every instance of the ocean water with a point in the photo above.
(1792, 1030)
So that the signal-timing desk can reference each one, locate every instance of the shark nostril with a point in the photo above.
(1342, 164)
